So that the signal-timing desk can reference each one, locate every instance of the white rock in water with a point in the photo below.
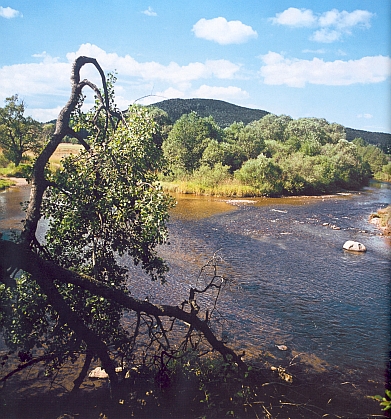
(98, 372)
(354, 246)
(282, 347)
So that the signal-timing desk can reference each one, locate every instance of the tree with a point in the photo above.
(263, 174)
(73, 291)
(272, 127)
(18, 133)
(244, 142)
(188, 139)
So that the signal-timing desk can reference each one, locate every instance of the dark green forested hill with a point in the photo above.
(380, 139)
(225, 114)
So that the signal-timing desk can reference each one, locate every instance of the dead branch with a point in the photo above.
(48, 271)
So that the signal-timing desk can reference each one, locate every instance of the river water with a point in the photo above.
(293, 284)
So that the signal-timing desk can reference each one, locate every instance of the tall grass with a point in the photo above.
(229, 188)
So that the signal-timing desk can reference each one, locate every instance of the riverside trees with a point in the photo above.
(65, 297)
(276, 155)
(18, 133)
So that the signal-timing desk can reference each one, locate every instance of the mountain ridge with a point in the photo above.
(225, 113)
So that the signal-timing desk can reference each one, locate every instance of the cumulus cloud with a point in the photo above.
(9, 13)
(295, 17)
(45, 81)
(332, 25)
(222, 93)
(278, 70)
(173, 72)
(223, 32)
(150, 12)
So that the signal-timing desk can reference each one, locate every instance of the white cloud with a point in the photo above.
(345, 20)
(44, 83)
(45, 114)
(9, 13)
(150, 12)
(222, 93)
(173, 72)
(278, 70)
(365, 116)
(223, 32)
(326, 36)
(295, 17)
(314, 51)
(332, 24)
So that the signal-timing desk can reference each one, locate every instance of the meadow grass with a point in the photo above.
(63, 150)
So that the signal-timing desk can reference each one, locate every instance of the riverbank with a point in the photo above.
(265, 392)
(382, 220)
(8, 182)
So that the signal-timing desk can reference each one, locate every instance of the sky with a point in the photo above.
(326, 59)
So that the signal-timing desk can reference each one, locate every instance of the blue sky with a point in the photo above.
(328, 59)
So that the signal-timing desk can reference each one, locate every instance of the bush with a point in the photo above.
(262, 174)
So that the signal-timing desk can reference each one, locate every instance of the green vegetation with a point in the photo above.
(18, 134)
(5, 183)
(273, 156)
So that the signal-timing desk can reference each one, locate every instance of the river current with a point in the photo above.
(293, 284)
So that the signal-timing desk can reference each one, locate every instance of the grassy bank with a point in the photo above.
(228, 189)
(5, 183)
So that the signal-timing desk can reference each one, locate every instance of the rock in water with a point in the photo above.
(98, 372)
(353, 246)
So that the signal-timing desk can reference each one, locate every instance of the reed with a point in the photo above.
(230, 188)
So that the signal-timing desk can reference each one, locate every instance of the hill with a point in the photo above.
(380, 139)
(225, 114)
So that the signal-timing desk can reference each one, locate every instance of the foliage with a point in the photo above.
(223, 113)
(187, 141)
(243, 143)
(5, 183)
(262, 174)
(374, 157)
(104, 209)
(278, 155)
(385, 402)
(18, 133)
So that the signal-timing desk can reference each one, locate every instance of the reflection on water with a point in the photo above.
(11, 213)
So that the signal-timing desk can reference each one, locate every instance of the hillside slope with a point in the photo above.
(225, 114)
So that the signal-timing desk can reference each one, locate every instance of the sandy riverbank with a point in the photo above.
(16, 181)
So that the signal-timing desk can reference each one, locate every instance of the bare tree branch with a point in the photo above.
(47, 271)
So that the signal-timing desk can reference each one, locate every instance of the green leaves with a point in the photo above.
(18, 133)
(107, 202)
(385, 402)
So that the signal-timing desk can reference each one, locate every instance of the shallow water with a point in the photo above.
(294, 284)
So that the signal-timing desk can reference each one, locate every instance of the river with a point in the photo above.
(294, 285)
